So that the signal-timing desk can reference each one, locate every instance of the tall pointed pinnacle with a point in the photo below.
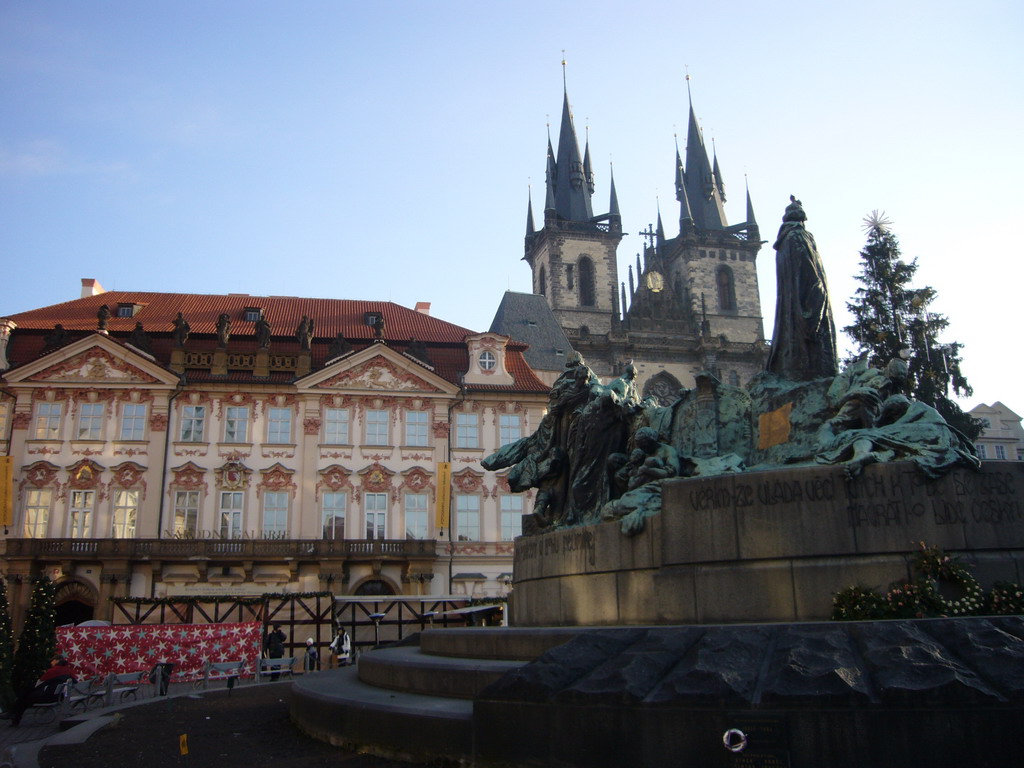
(613, 202)
(685, 214)
(660, 230)
(588, 172)
(572, 190)
(530, 231)
(717, 173)
(750, 206)
(701, 189)
(551, 176)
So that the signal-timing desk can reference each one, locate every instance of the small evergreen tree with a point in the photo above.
(892, 319)
(37, 642)
(6, 649)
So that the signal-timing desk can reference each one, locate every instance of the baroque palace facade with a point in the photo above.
(181, 444)
(692, 304)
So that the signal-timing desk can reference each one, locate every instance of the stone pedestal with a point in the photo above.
(770, 546)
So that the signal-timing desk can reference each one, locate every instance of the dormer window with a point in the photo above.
(127, 309)
(372, 319)
(487, 360)
(252, 314)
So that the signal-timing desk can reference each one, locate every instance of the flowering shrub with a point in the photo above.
(1006, 599)
(935, 572)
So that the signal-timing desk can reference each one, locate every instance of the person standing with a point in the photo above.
(341, 647)
(311, 662)
(275, 647)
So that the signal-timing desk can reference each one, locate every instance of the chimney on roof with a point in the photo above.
(91, 287)
(423, 307)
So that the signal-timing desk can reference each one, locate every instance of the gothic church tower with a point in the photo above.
(573, 256)
(692, 306)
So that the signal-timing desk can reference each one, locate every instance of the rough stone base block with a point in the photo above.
(770, 546)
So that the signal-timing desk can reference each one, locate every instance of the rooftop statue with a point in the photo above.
(181, 330)
(804, 339)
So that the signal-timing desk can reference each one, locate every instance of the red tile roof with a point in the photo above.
(445, 342)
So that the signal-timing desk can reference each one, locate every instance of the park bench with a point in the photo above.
(48, 711)
(83, 695)
(222, 670)
(123, 686)
(282, 666)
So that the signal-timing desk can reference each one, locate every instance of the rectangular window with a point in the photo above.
(126, 510)
(275, 514)
(415, 515)
(336, 426)
(80, 517)
(279, 425)
(193, 418)
(186, 513)
(511, 517)
(509, 429)
(334, 505)
(416, 428)
(133, 422)
(1001, 452)
(982, 451)
(236, 424)
(377, 428)
(37, 512)
(467, 432)
(467, 521)
(90, 421)
(376, 507)
(231, 514)
(48, 421)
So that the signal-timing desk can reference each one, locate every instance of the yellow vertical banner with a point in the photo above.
(6, 491)
(444, 492)
(183, 743)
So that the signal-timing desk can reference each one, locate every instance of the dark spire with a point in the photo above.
(705, 200)
(717, 173)
(613, 202)
(750, 207)
(571, 188)
(685, 214)
(623, 285)
(530, 231)
(551, 176)
(588, 172)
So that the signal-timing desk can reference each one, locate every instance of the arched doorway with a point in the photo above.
(75, 602)
(374, 587)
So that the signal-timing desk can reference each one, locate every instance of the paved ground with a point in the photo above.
(248, 728)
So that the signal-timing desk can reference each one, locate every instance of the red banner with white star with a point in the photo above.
(132, 647)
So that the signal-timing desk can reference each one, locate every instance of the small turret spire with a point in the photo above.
(529, 212)
(716, 171)
(613, 202)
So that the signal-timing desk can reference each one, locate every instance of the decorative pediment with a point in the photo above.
(376, 478)
(84, 474)
(379, 368)
(277, 478)
(381, 374)
(95, 364)
(188, 477)
(93, 361)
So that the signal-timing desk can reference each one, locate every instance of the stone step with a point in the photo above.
(413, 670)
(511, 643)
(337, 707)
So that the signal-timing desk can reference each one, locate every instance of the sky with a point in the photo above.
(385, 150)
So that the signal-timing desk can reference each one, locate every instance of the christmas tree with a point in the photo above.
(893, 319)
(6, 650)
(37, 643)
